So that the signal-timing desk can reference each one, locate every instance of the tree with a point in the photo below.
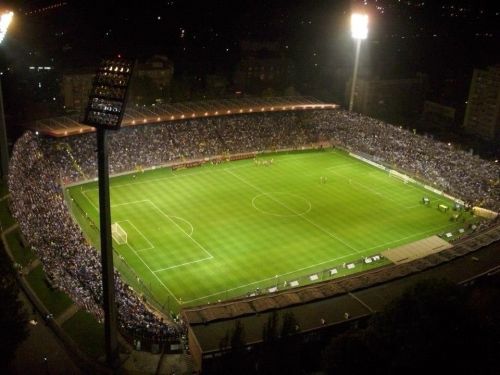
(235, 358)
(13, 319)
(270, 330)
(430, 327)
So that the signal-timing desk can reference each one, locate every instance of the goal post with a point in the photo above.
(119, 234)
(400, 176)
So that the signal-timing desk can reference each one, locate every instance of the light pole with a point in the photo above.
(359, 30)
(5, 21)
(104, 112)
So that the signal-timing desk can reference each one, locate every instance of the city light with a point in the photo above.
(5, 21)
(359, 26)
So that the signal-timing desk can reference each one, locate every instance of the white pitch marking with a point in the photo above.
(154, 274)
(295, 212)
(84, 192)
(127, 203)
(182, 264)
(182, 230)
(279, 215)
(311, 266)
(289, 157)
(187, 222)
(270, 278)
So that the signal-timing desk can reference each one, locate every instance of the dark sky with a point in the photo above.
(208, 32)
(441, 38)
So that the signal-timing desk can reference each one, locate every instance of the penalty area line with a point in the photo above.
(182, 264)
(154, 274)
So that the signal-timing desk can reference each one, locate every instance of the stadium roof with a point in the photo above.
(71, 125)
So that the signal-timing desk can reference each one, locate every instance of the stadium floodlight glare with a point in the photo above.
(359, 29)
(5, 21)
(105, 110)
(359, 26)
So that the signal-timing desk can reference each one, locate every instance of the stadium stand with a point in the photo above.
(41, 165)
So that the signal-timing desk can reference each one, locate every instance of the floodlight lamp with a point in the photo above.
(359, 26)
(5, 21)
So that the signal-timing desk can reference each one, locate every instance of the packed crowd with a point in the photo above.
(69, 261)
(156, 145)
(40, 166)
(452, 170)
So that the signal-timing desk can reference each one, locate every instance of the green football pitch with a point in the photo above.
(214, 232)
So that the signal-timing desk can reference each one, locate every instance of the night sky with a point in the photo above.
(209, 32)
(443, 39)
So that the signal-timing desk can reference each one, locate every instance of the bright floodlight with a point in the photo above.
(359, 26)
(5, 20)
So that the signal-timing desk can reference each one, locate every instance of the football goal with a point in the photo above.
(400, 176)
(119, 234)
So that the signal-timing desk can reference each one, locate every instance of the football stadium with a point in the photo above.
(234, 207)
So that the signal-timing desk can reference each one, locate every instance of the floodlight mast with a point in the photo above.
(105, 111)
(359, 29)
(5, 21)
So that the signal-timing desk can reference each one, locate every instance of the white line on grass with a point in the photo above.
(192, 174)
(186, 221)
(410, 236)
(312, 266)
(173, 176)
(292, 210)
(127, 203)
(142, 260)
(270, 278)
(154, 274)
(183, 264)
(336, 166)
(373, 191)
(210, 256)
(84, 192)
(409, 185)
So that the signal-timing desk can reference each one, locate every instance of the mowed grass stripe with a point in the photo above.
(258, 222)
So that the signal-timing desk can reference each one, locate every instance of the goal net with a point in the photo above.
(400, 176)
(119, 234)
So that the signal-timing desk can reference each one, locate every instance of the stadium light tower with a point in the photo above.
(104, 112)
(5, 21)
(359, 30)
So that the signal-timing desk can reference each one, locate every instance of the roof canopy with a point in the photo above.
(70, 125)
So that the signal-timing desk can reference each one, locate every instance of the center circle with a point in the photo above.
(281, 204)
